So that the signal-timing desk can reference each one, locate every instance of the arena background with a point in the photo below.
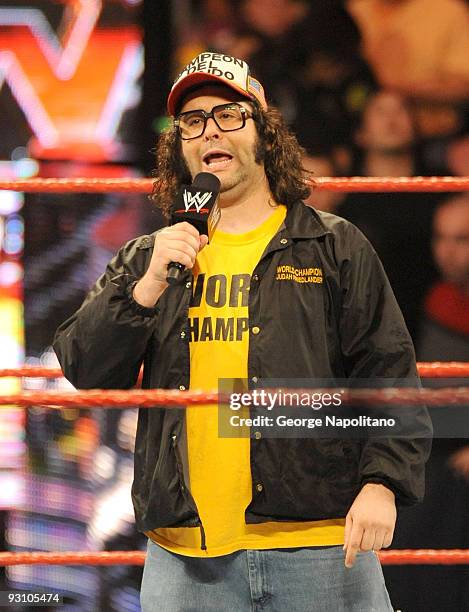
(82, 91)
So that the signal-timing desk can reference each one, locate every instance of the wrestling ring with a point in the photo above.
(96, 398)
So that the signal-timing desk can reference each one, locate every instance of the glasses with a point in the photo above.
(228, 117)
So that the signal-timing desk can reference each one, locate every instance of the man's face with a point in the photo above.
(451, 242)
(231, 156)
(387, 125)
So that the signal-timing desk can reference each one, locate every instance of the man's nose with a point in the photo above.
(211, 129)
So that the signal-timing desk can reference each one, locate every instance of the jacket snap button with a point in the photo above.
(254, 379)
(283, 241)
(255, 277)
(183, 334)
(255, 330)
(259, 487)
(182, 388)
(188, 285)
(258, 435)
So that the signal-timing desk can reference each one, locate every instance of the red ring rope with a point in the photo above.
(436, 369)
(136, 557)
(340, 184)
(148, 398)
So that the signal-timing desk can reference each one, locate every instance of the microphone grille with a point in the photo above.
(207, 182)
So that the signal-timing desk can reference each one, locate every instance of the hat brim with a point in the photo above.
(198, 78)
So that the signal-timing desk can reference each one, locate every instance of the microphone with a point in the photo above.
(198, 205)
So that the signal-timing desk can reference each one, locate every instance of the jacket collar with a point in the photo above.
(304, 222)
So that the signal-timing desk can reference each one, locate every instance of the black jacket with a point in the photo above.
(348, 326)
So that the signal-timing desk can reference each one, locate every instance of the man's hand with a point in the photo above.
(369, 524)
(180, 243)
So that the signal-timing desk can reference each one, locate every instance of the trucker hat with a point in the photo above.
(211, 67)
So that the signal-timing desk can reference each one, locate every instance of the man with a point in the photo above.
(444, 334)
(397, 224)
(246, 523)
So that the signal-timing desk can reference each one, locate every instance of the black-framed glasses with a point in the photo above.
(228, 117)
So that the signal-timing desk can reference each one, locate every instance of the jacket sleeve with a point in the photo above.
(103, 344)
(375, 344)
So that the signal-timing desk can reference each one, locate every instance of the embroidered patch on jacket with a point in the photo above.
(299, 275)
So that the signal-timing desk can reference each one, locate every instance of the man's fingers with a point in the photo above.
(179, 243)
(388, 539)
(353, 544)
(170, 236)
(180, 256)
(350, 555)
(376, 539)
(186, 227)
(368, 539)
(379, 540)
(348, 529)
(373, 515)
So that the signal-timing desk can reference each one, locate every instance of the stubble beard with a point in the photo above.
(230, 182)
(241, 175)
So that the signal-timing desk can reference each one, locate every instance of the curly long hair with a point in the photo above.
(277, 148)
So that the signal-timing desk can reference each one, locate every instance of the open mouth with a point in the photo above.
(217, 161)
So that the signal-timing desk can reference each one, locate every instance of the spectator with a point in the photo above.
(445, 330)
(387, 135)
(398, 224)
(420, 48)
(442, 520)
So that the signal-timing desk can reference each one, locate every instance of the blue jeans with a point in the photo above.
(281, 580)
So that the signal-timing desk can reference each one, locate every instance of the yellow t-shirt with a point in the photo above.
(219, 468)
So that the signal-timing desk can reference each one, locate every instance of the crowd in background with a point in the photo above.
(381, 88)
